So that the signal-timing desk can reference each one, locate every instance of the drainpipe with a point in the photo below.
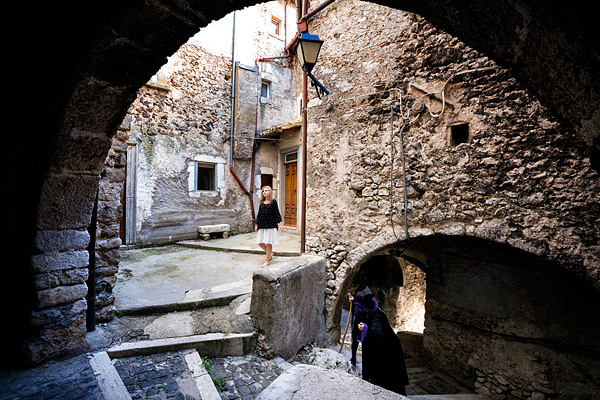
(320, 7)
(232, 123)
(304, 140)
(304, 167)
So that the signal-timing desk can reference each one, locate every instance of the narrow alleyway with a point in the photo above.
(151, 282)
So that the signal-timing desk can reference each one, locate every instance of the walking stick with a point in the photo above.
(346, 330)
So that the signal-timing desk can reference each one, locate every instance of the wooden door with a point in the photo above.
(291, 184)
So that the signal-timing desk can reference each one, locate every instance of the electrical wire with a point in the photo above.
(392, 177)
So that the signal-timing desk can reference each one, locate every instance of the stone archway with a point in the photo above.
(72, 89)
(504, 320)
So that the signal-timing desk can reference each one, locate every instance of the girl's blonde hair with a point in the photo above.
(269, 197)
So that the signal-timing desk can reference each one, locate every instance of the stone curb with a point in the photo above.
(203, 380)
(206, 246)
(211, 344)
(108, 378)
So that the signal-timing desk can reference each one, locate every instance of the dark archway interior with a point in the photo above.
(71, 86)
(491, 309)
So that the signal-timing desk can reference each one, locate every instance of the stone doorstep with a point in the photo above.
(112, 387)
(210, 344)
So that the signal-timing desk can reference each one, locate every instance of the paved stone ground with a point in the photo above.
(245, 377)
(162, 376)
(71, 379)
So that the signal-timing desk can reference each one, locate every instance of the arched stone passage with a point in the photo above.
(501, 319)
(69, 94)
(73, 84)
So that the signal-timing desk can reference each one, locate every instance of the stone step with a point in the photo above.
(112, 387)
(209, 345)
(216, 296)
(230, 318)
(446, 397)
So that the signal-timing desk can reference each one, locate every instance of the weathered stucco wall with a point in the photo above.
(175, 128)
(520, 179)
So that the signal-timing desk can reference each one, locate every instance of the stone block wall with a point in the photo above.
(518, 178)
(521, 179)
(108, 224)
(288, 306)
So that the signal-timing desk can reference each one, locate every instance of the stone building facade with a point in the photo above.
(543, 216)
(501, 201)
(181, 141)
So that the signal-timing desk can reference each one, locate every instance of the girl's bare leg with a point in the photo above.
(269, 251)
(263, 246)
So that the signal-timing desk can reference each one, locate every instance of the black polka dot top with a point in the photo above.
(268, 215)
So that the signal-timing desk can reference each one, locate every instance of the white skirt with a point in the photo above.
(268, 236)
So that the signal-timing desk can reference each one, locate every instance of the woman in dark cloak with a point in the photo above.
(382, 355)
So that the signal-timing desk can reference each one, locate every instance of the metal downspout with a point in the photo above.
(304, 140)
(232, 123)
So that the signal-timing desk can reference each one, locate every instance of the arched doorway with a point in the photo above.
(499, 319)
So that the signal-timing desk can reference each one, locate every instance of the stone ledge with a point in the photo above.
(108, 378)
(210, 344)
(302, 382)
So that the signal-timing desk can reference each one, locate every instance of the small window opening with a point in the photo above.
(291, 157)
(265, 89)
(459, 134)
(266, 180)
(205, 177)
(275, 26)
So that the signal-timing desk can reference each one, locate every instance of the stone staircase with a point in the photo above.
(214, 320)
(210, 322)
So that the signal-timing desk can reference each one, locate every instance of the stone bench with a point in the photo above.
(205, 231)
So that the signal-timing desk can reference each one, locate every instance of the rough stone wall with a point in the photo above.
(517, 326)
(108, 240)
(410, 316)
(174, 128)
(521, 179)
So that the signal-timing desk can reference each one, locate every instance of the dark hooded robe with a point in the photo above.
(382, 355)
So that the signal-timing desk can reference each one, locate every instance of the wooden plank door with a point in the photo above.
(291, 184)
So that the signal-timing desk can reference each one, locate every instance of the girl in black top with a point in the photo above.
(268, 223)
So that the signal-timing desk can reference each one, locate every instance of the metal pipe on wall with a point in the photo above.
(304, 140)
(232, 124)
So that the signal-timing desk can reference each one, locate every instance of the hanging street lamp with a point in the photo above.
(308, 52)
